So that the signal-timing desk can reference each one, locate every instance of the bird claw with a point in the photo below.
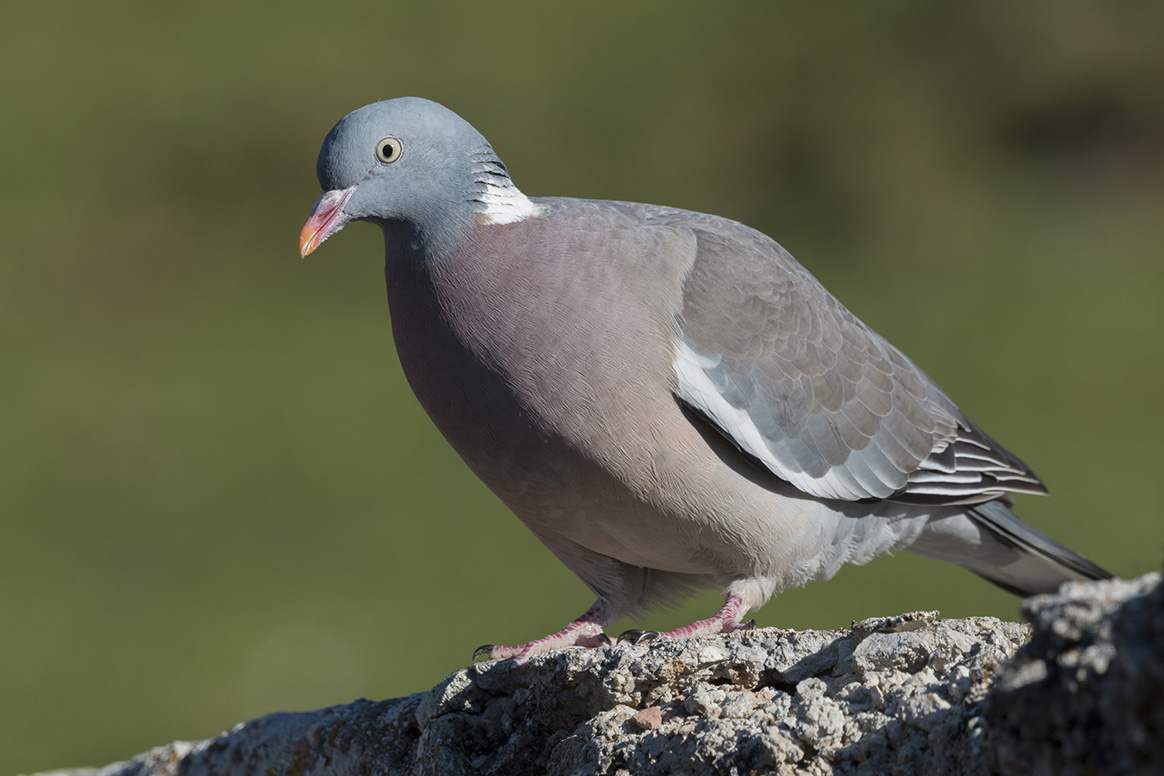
(635, 637)
(587, 631)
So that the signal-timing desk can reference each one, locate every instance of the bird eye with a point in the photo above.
(388, 150)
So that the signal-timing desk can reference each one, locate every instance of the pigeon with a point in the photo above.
(666, 399)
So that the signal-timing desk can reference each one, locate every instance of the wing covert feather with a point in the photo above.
(797, 382)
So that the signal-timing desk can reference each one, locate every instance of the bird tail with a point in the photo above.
(1002, 549)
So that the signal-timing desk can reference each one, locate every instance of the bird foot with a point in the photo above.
(586, 631)
(726, 620)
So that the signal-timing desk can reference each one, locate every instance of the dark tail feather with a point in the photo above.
(1039, 563)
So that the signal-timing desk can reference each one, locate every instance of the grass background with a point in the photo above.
(218, 497)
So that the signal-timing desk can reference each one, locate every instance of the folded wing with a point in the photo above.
(799, 384)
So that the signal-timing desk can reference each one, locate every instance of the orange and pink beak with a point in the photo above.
(327, 218)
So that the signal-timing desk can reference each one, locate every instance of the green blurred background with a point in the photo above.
(218, 497)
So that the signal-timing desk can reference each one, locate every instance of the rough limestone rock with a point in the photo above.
(1086, 694)
(900, 695)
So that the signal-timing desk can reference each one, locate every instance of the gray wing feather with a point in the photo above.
(797, 382)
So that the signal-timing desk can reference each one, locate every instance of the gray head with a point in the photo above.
(412, 167)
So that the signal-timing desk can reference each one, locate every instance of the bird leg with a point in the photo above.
(726, 620)
(586, 631)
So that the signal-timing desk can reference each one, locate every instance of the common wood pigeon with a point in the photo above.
(667, 399)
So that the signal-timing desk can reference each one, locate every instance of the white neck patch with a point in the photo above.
(504, 204)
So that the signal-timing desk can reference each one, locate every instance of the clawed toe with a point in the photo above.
(634, 637)
(587, 631)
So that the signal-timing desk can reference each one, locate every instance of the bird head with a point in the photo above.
(410, 166)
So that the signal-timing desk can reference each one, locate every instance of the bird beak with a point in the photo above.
(327, 218)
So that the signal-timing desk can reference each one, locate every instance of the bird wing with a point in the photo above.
(782, 369)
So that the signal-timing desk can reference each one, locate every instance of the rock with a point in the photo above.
(898, 695)
(1086, 694)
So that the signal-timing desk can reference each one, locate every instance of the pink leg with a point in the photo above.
(586, 631)
(726, 620)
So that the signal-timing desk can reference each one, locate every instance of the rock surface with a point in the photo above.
(899, 695)
(1086, 694)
